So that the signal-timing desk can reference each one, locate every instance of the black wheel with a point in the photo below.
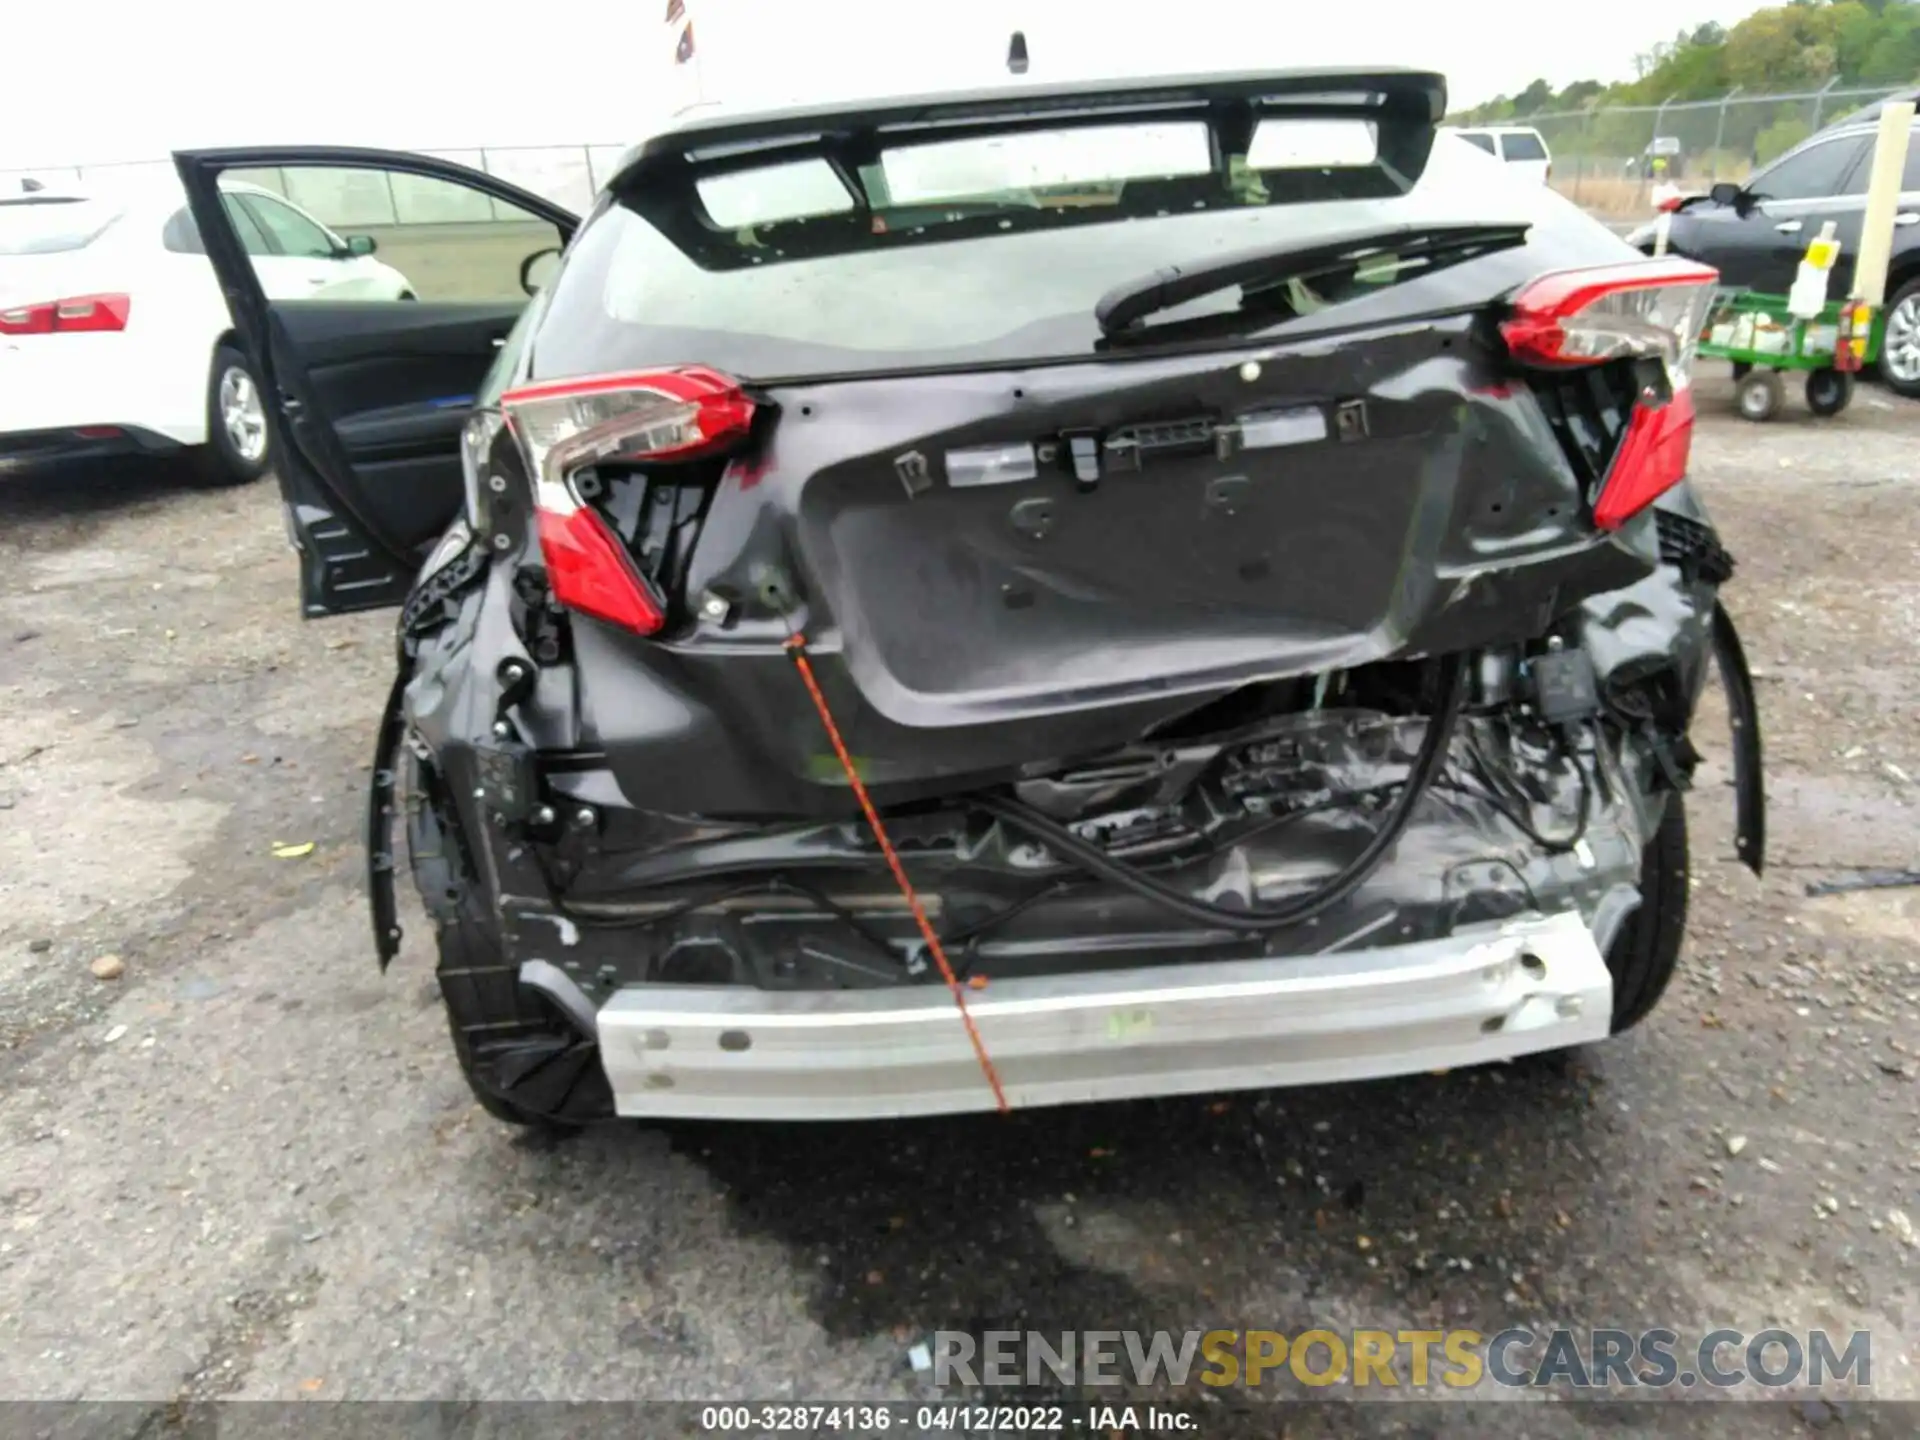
(1643, 955)
(1760, 395)
(522, 1060)
(1829, 391)
(1900, 349)
(239, 445)
(1741, 369)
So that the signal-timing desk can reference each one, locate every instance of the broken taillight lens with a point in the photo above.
(1586, 317)
(1642, 310)
(643, 418)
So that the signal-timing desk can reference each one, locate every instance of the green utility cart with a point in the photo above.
(1763, 341)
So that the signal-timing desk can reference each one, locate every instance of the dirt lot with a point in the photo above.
(247, 1167)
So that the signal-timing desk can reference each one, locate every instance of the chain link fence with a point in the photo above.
(569, 175)
(1603, 158)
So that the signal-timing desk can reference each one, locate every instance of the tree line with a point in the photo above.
(1800, 46)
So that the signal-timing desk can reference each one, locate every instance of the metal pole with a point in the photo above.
(1720, 134)
(1820, 100)
(1586, 148)
(1659, 118)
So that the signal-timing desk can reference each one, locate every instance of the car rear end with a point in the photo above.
(82, 352)
(1274, 681)
(1525, 152)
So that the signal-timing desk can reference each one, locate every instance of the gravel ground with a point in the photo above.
(245, 1165)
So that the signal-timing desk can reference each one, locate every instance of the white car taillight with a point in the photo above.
(1649, 309)
(649, 417)
(79, 314)
(1586, 317)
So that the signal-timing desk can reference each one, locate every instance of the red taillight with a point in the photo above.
(1648, 309)
(1651, 460)
(649, 417)
(1670, 203)
(1584, 317)
(591, 571)
(79, 314)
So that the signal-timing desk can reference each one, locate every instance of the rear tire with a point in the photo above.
(521, 1059)
(1646, 952)
(1900, 350)
(238, 449)
(527, 1050)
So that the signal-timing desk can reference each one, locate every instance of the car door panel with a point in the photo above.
(366, 398)
(396, 388)
(1733, 242)
(1783, 226)
(1795, 226)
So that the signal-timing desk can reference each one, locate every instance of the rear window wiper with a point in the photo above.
(1131, 301)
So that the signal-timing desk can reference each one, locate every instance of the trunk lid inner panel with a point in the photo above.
(966, 629)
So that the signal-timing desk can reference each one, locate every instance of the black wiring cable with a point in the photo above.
(1426, 766)
(964, 936)
(1501, 798)
(963, 940)
(1098, 865)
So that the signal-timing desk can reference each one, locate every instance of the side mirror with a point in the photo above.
(1726, 193)
(538, 268)
(360, 245)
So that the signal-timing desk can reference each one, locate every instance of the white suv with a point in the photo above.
(1518, 145)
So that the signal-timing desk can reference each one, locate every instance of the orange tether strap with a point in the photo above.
(798, 647)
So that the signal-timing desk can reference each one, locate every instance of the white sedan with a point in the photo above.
(115, 337)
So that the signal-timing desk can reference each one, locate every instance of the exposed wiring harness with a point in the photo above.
(1494, 788)
(1512, 804)
(1426, 767)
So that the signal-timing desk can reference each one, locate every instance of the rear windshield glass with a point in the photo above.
(42, 226)
(1524, 145)
(1042, 224)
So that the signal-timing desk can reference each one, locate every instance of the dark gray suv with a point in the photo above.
(1756, 234)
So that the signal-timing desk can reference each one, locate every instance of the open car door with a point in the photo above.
(367, 383)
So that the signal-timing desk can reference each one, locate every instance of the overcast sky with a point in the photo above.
(97, 80)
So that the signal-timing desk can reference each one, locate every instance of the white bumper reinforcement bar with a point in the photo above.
(742, 1054)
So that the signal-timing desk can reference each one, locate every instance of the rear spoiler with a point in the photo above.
(656, 177)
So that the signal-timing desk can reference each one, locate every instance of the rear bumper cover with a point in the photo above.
(743, 1054)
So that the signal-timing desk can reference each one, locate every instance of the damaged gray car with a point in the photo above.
(1042, 596)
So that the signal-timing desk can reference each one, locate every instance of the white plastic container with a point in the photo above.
(1808, 297)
